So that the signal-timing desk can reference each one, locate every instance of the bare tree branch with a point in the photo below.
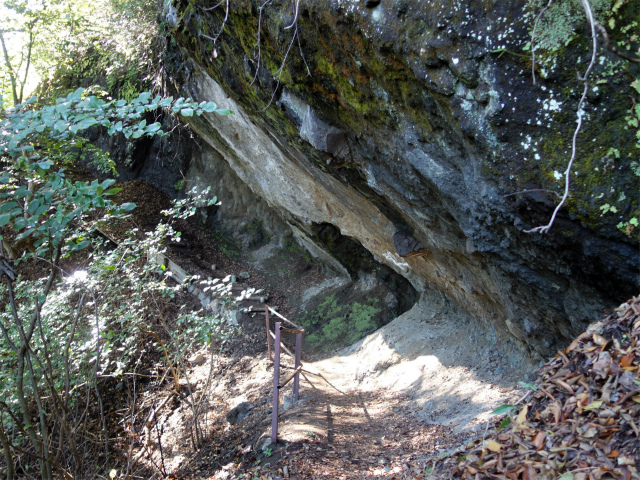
(258, 38)
(533, 190)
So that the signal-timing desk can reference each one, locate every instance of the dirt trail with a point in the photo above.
(385, 407)
(382, 408)
(349, 434)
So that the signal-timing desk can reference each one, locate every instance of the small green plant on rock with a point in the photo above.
(633, 119)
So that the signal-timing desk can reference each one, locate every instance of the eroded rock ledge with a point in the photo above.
(399, 118)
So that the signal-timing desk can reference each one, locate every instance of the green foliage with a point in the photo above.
(629, 226)
(103, 63)
(502, 409)
(20, 23)
(561, 22)
(34, 134)
(226, 245)
(113, 43)
(77, 112)
(530, 386)
(332, 324)
(77, 339)
(608, 208)
(60, 332)
(633, 117)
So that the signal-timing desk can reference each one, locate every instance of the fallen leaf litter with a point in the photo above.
(579, 421)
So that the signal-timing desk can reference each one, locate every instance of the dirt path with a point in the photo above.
(438, 357)
(385, 407)
(388, 405)
(349, 434)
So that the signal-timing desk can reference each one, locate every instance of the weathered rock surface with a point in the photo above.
(400, 117)
(239, 412)
(406, 245)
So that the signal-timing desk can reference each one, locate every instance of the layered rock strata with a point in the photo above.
(416, 117)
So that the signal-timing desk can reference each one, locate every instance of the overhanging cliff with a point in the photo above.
(402, 120)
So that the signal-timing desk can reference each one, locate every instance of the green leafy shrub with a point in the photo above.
(62, 332)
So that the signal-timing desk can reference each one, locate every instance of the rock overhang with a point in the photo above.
(429, 117)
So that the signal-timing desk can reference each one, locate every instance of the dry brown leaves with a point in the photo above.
(582, 421)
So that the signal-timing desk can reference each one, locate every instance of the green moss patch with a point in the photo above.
(335, 322)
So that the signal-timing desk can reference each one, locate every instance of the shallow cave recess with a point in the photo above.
(364, 297)
(358, 260)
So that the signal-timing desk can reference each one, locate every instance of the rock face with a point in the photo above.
(406, 245)
(400, 116)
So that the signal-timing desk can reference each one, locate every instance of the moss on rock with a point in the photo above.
(334, 323)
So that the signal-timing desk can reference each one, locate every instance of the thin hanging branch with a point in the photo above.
(258, 38)
(293, 39)
(212, 8)
(303, 59)
(214, 39)
(295, 16)
(284, 60)
(580, 113)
